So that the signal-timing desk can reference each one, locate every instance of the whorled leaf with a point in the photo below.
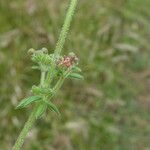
(76, 69)
(41, 109)
(25, 102)
(41, 90)
(51, 106)
(76, 76)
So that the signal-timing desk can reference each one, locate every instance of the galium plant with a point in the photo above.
(54, 68)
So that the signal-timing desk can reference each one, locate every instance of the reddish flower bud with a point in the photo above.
(68, 61)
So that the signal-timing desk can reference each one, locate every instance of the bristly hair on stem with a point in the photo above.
(54, 70)
(65, 28)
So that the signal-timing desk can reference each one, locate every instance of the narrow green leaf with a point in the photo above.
(51, 106)
(77, 69)
(40, 111)
(76, 75)
(25, 102)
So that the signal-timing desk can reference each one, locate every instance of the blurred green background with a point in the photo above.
(109, 110)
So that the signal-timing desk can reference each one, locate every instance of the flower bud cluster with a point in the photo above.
(42, 58)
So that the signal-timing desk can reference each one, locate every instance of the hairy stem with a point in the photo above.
(43, 73)
(49, 76)
(28, 125)
(59, 46)
(65, 28)
(59, 83)
(32, 118)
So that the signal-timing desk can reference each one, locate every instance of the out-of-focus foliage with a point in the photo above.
(110, 108)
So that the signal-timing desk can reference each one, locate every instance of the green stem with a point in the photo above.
(63, 35)
(65, 28)
(32, 118)
(59, 46)
(59, 83)
(50, 75)
(57, 86)
(28, 125)
(43, 73)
